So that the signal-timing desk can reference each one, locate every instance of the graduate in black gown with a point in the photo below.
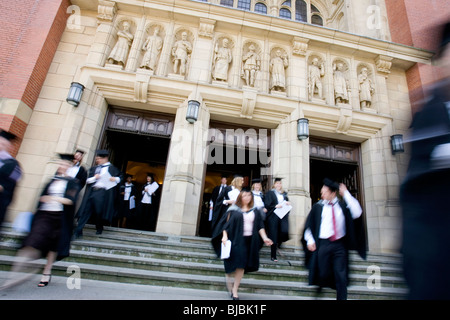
(426, 214)
(10, 172)
(56, 200)
(225, 199)
(98, 199)
(127, 196)
(332, 228)
(244, 227)
(277, 229)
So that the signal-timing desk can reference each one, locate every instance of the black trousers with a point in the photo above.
(333, 263)
(94, 205)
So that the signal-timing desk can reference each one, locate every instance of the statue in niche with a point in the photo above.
(366, 88)
(222, 60)
(341, 86)
(251, 65)
(278, 64)
(181, 52)
(119, 53)
(152, 47)
(315, 73)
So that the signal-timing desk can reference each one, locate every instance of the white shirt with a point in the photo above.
(103, 169)
(127, 191)
(147, 197)
(57, 188)
(249, 218)
(258, 202)
(326, 226)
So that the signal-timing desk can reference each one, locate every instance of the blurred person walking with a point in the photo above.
(57, 199)
(245, 229)
(426, 217)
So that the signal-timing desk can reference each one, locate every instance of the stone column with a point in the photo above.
(201, 56)
(291, 162)
(182, 188)
(103, 37)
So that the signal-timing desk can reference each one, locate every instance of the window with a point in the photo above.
(261, 8)
(285, 13)
(287, 3)
(227, 2)
(317, 20)
(244, 4)
(301, 13)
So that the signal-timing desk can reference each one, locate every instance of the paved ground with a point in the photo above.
(103, 290)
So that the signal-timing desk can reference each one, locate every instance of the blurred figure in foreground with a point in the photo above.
(10, 172)
(426, 214)
(57, 199)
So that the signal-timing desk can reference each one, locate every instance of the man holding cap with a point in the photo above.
(329, 233)
(100, 196)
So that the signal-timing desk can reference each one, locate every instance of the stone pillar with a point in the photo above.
(102, 44)
(182, 188)
(291, 162)
(201, 56)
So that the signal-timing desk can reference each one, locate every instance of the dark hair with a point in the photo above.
(239, 199)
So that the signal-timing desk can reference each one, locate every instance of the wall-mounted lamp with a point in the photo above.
(192, 111)
(302, 129)
(75, 92)
(397, 144)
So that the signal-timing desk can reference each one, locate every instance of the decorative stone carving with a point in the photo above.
(181, 53)
(106, 10)
(345, 120)
(316, 71)
(366, 88)
(383, 64)
(141, 85)
(119, 53)
(206, 28)
(278, 64)
(299, 46)
(248, 102)
(152, 47)
(222, 60)
(341, 84)
(251, 64)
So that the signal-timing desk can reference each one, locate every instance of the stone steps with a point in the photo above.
(132, 256)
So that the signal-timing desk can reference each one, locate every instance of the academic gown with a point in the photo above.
(111, 198)
(426, 217)
(354, 239)
(10, 173)
(240, 256)
(218, 211)
(277, 229)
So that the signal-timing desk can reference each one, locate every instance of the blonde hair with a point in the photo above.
(235, 182)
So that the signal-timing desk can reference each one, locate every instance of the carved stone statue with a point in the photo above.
(315, 73)
(181, 52)
(341, 87)
(119, 53)
(278, 64)
(222, 60)
(366, 88)
(152, 47)
(251, 65)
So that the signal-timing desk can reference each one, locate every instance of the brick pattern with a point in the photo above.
(33, 29)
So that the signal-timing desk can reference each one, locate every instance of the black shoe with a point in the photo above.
(45, 283)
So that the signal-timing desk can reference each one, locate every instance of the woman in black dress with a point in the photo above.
(245, 229)
(46, 229)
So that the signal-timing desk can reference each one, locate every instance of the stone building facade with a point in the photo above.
(255, 67)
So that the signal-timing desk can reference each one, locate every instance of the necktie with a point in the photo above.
(334, 236)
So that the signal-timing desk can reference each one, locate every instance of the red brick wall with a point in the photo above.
(414, 23)
(30, 35)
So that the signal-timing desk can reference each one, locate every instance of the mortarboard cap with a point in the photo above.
(238, 175)
(102, 153)
(7, 135)
(256, 180)
(277, 179)
(334, 186)
(80, 151)
(66, 156)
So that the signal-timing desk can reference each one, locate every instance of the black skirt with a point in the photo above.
(45, 231)
(238, 261)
